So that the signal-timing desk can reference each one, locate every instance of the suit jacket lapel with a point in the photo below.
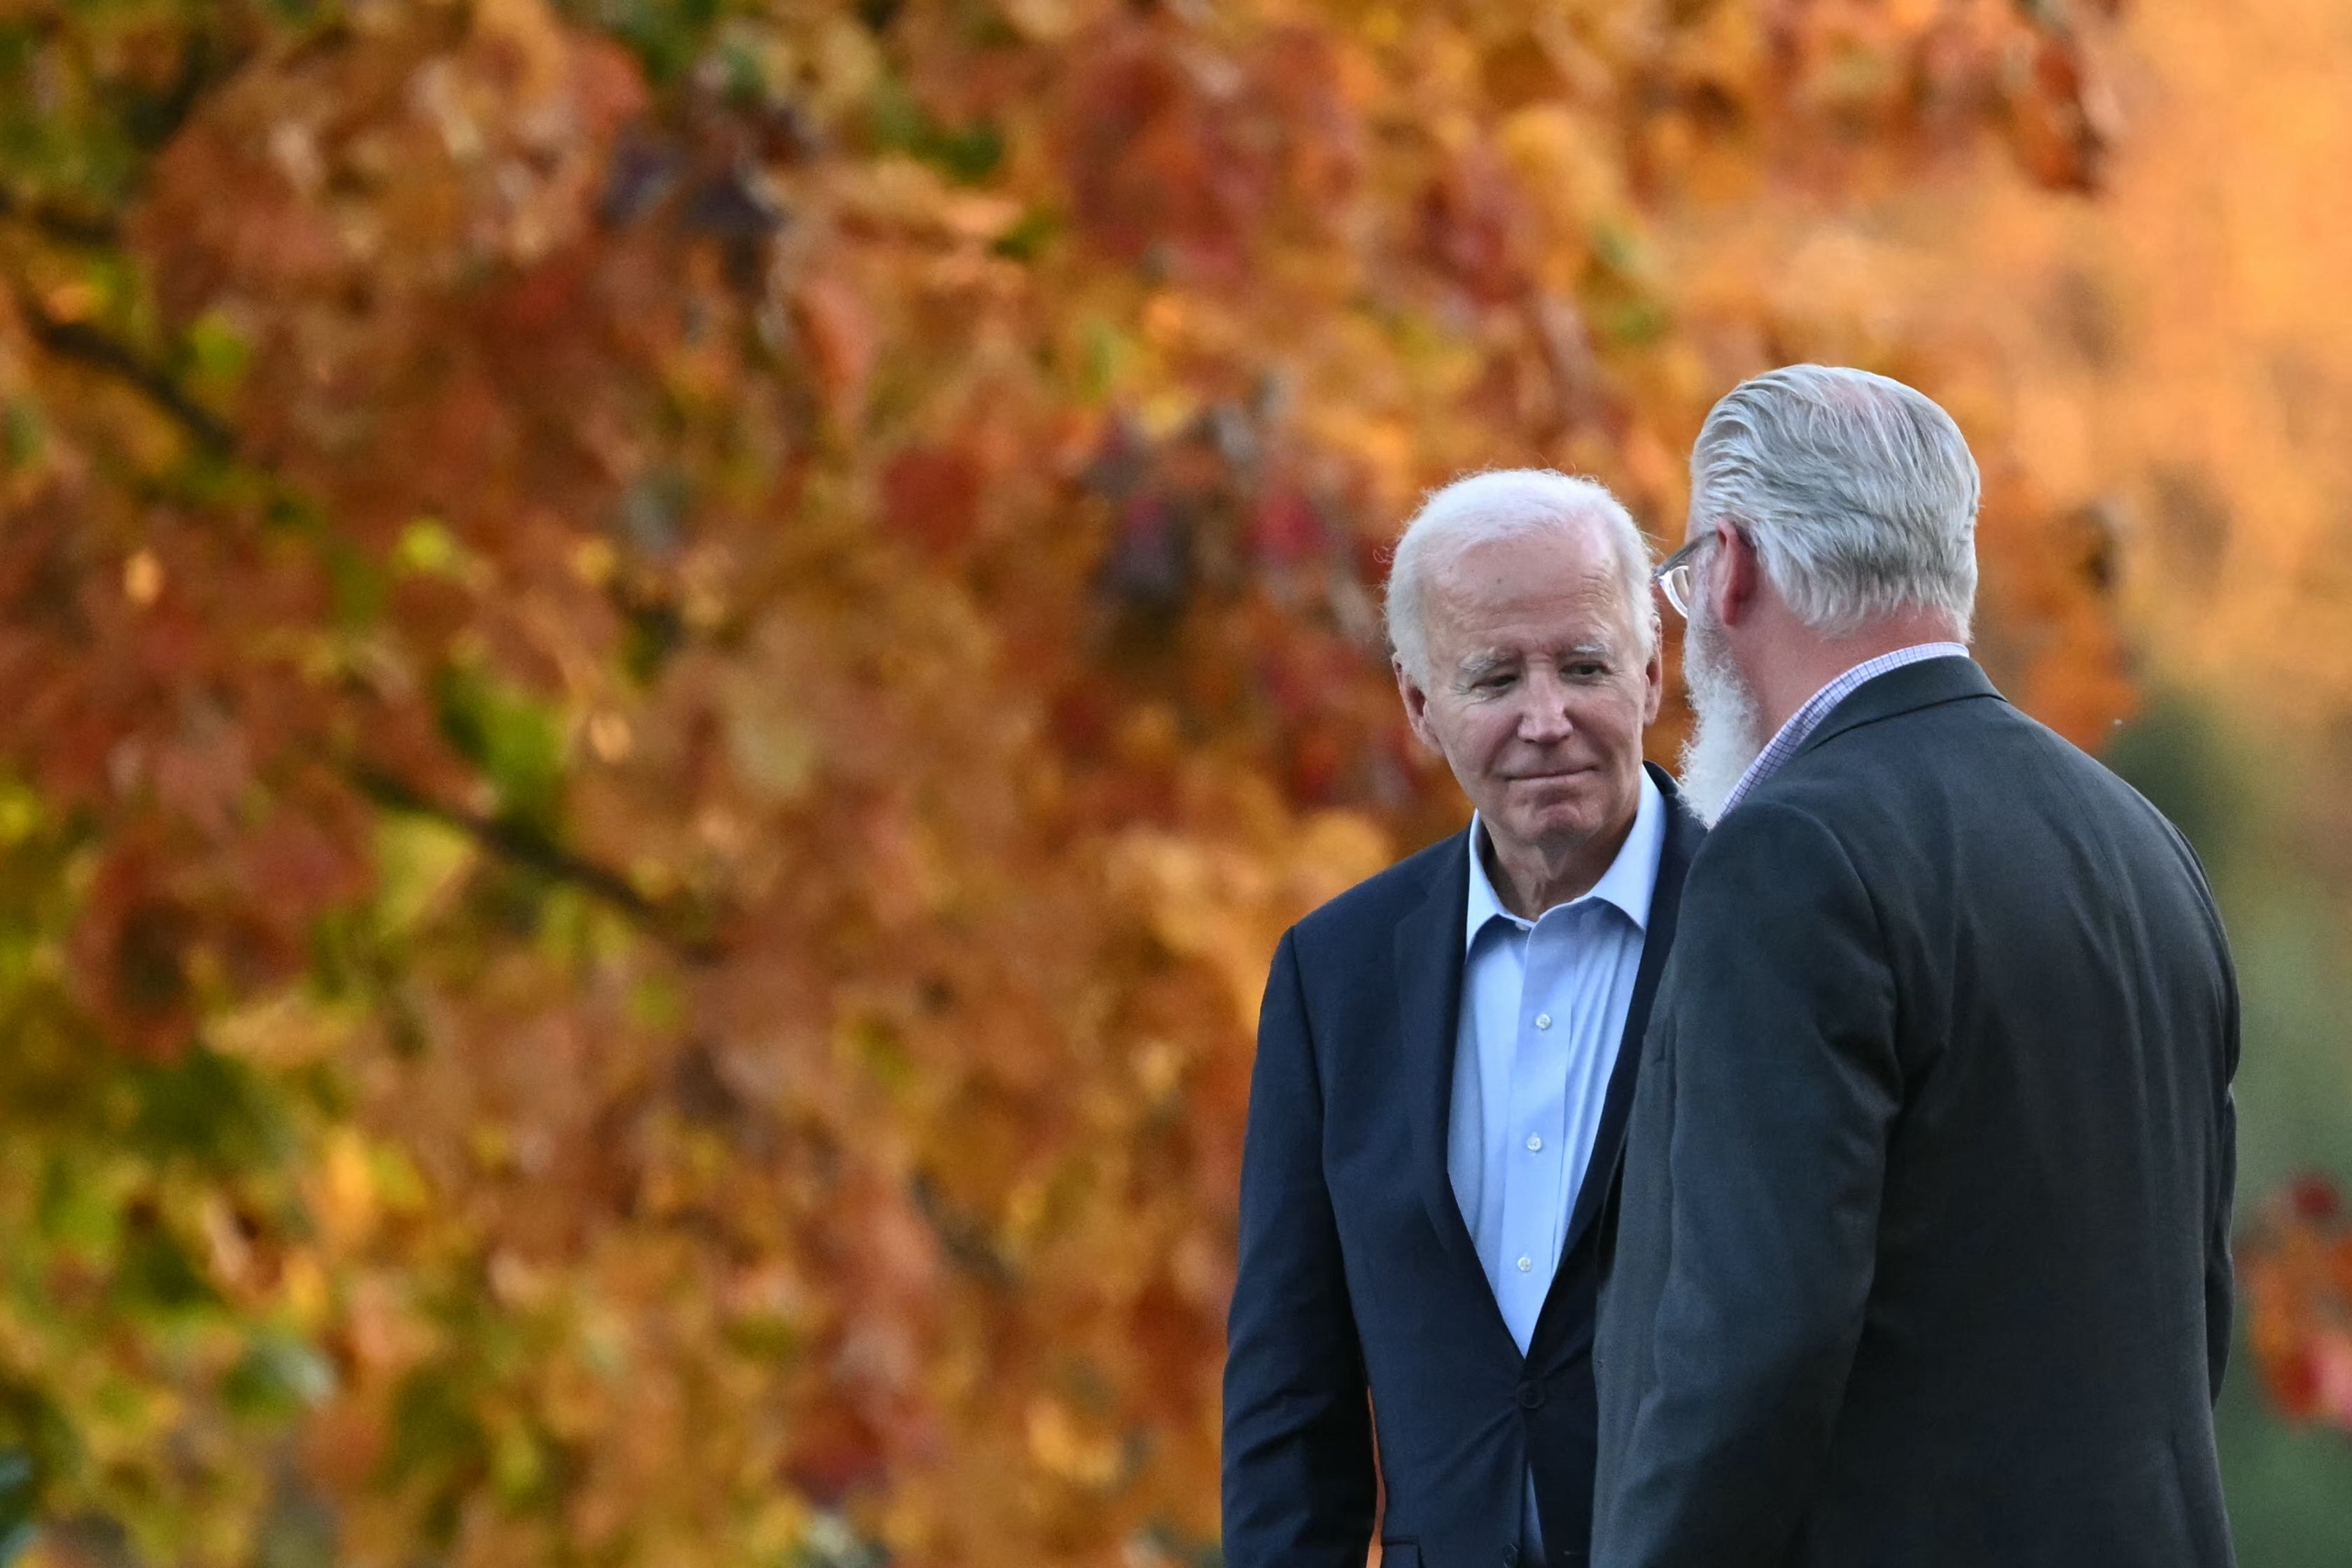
(1682, 838)
(1429, 1003)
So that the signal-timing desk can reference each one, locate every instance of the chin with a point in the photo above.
(1560, 822)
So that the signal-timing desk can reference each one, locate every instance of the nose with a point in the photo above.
(1544, 718)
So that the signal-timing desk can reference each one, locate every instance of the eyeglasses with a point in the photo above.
(1675, 574)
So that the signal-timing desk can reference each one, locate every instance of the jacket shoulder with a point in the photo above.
(1859, 758)
(1986, 764)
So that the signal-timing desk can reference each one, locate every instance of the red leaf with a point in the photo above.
(2294, 1382)
(931, 496)
(1287, 531)
(1471, 227)
(2314, 1197)
(836, 1450)
(839, 332)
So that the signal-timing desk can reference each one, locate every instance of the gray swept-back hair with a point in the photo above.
(1857, 491)
(1500, 504)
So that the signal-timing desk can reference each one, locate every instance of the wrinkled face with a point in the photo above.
(1538, 688)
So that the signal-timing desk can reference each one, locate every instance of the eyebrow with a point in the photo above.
(1475, 667)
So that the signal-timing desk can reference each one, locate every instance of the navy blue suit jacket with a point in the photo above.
(1360, 1299)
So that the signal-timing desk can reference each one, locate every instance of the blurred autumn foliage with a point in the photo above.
(669, 667)
(2298, 1279)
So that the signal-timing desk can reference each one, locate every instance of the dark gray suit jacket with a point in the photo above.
(1921, 1251)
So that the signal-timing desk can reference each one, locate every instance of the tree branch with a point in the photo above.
(60, 222)
(102, 352)
(678, 928)
(682, 928)
(964, 1238)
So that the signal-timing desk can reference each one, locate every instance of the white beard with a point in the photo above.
(1728, 734)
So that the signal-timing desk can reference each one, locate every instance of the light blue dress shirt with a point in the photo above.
(1543, 1009)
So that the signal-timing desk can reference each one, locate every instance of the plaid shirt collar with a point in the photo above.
(1807, 718)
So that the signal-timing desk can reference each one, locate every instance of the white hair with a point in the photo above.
(1499, 504)
(1857, 491)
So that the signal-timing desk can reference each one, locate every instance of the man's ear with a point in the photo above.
(1734, 577)
(1416, 705)
(1654, 673)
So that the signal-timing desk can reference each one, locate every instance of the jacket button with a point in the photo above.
(1531, 1395)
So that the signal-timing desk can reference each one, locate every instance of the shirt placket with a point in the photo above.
(1537, 1109)
(1586, 1071)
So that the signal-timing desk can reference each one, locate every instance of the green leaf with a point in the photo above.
(35, 1430)
(427, 549)
(1029, 235)
(21, 813)
(517, 742)
(157, 1276)
(217, 354)
(209, 1108)
(738, 67)
(418, 860)
(277, 1376)
(1623, 251)
(519, 1467)
(1634, 324)
(654, 631)
(74, 1209)
(1107, 357)
(434, 1429)
(357, 588)
(18, 1500)
(877, 1046)
(656, 1003)
(966, 154)
(666, 36)
(21, 437)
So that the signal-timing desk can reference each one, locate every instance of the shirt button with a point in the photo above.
(1543, 1020)
(1526, 1264)
(1535, 1145)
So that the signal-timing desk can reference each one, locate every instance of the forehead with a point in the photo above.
(1559, 585)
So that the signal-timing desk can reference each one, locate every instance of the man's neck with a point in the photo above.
(1532, 878)
(1797, 666)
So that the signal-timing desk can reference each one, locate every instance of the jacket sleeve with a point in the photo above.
(1785, 1086)
(2219, 1275)
(1299, 1489)
(2220, 1271)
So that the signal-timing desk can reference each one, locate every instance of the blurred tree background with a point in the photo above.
(670, 664)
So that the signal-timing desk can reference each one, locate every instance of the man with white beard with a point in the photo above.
(1920, 1255)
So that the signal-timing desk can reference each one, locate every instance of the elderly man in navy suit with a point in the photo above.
(1445, 1063)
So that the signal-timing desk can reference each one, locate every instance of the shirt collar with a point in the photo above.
(1629, 883)
(1793, 735)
